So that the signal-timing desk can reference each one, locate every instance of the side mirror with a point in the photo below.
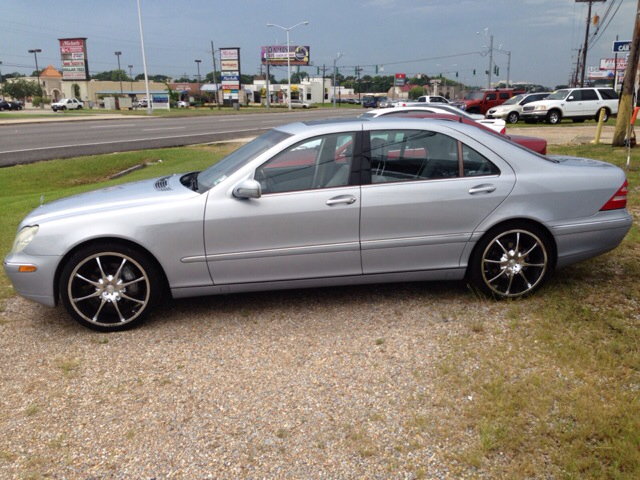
(247, 189)
(570, 98)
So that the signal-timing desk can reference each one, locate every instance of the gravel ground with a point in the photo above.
(333, 383)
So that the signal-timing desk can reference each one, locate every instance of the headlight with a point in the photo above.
(23, 238)
(541, 107)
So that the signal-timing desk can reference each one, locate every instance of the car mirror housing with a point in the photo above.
(247, 189)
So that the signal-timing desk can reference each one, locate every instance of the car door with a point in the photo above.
(305, 225)
(428, 192)
(573, 106)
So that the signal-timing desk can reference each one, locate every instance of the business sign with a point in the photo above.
(278, 55)
(613, 64)
(400, 79)
(73, 56)
(230, 72)
(621, 47)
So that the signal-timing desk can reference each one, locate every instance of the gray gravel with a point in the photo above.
(333, 383)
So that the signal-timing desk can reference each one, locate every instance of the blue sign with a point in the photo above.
(621, 47)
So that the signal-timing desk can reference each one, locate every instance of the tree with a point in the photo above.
(626, 99)
(416, 92)
(21, 89)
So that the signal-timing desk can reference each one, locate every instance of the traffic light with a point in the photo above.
(456, 74)
(376, 68)
(474, 71)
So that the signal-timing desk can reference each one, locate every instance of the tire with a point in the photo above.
(511, 261)
(605, 117)
(513, 117)
(554, 117)
(110, 287)
(79, 107)
(63, 108)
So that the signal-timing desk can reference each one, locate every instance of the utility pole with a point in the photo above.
(586, 37)
(625, 108)
(215, 82)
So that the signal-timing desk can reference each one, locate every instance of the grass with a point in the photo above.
(551, 390)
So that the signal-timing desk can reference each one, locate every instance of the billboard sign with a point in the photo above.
(613, 64)
(278, 54)
(73, 56)
(400, 79)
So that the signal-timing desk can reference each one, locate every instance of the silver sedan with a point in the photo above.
(323, 203)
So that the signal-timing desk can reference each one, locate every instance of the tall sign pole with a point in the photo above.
(586, 37)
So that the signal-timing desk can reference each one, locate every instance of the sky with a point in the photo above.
(428, 37)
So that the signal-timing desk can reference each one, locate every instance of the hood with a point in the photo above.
(154, 191)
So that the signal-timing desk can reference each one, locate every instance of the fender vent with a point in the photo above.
(163, 184)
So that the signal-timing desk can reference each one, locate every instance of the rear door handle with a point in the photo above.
(347, 199)
(486, 188)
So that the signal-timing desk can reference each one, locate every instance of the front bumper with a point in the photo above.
(537, 115)
(37, 285)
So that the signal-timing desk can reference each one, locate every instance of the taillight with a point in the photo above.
(619, 199)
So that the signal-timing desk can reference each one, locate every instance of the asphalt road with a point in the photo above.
(46, 138)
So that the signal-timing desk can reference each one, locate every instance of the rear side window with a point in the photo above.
(504, 96)
(608, 93)
(589, 95)
(410, 155)
(490, 96)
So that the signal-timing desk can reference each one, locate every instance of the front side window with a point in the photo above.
(410, 155)
(319, 162)
(491, 96)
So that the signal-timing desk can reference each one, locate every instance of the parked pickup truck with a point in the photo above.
(67, 104)
(578, 104)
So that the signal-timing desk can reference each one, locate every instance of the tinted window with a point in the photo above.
(608, 93)
(320, 162)
(589, 95)
(575, 96)
(504, 95)
(491, 96)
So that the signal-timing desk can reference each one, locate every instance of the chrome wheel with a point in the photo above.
(109, 289)
(553, 117)
(513, 117)
(514, 263)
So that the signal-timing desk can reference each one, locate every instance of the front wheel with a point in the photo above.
(109, 287)
(511, 261)
(554, 117)
(79, 107)
(513, 117)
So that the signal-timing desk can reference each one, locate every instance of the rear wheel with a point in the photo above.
(511, 261)
(605, 115)
(513, 117)
(554, 117)
(110, 287)
(79, 107)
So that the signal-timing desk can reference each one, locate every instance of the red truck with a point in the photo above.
(480, 101)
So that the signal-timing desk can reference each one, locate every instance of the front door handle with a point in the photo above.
(347, 199)
(486, 188)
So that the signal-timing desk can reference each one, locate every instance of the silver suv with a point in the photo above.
(578, 104)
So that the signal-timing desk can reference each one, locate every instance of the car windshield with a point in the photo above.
(558, 95)
(217, 172)
(475, 95)
(514, 100)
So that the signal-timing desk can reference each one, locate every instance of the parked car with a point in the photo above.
(182, 104)
(321, 203)
(538, 145)
(495, 125)
(511, 110)
(480, 101)
(299, 104)
(10, 105)
(142, 103)
(67, 104)
(371, 100)
(577, 104)
(431, 99)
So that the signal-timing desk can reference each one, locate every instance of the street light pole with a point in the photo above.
(35, 52)
(119, 70)
(335, 60)
(130, 78)
(198, 64)
(288, 52)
